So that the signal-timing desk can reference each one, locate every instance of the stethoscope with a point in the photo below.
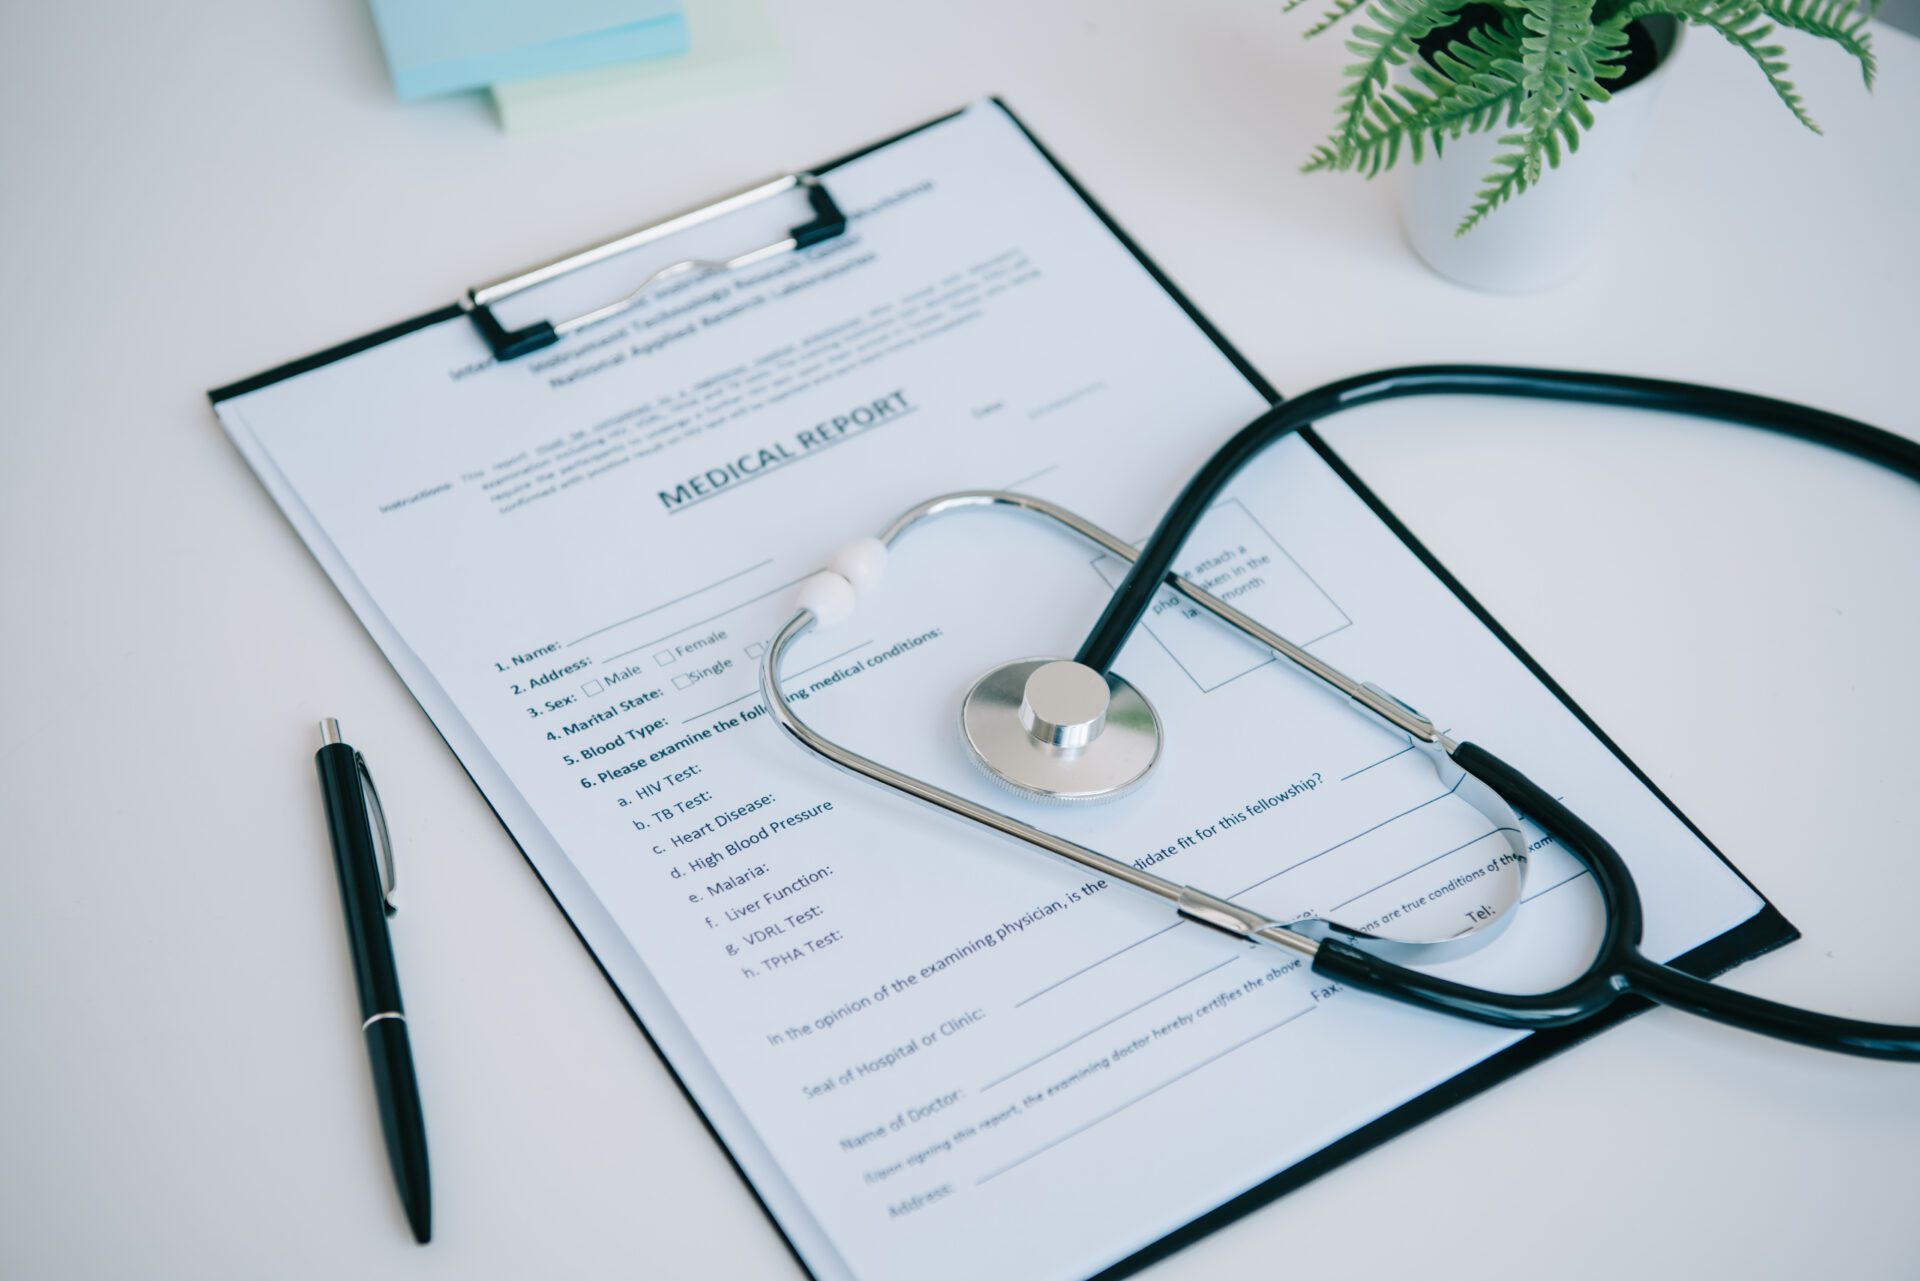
(1071, 730)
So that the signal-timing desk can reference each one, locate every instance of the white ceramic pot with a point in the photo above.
(1546, 235)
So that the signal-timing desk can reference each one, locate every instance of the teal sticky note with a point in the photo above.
(442, 46)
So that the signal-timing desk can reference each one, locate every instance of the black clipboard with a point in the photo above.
(1759, 934)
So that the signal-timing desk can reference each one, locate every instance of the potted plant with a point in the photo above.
(1485, 98)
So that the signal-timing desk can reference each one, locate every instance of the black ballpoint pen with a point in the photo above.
(366, 899)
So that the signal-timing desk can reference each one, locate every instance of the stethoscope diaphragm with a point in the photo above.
(1056, 730)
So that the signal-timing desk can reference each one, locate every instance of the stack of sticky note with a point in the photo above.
(733, 51)
(549, 62)
(443, 46)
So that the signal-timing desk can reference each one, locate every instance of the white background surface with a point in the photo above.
(187, 198)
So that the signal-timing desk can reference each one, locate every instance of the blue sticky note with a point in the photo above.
(442, 46)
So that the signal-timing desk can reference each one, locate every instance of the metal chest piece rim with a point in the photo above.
(1056, 730)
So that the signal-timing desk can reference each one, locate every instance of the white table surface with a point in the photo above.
(191, 194)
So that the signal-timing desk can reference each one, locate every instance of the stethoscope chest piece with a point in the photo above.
(1056, 730)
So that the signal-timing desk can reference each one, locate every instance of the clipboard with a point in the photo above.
(512, 339)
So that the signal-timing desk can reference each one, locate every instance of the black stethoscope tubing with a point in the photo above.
(1619, 968)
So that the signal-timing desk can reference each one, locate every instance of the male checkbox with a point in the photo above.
(591, 688)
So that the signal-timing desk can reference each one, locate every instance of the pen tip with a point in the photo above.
(419, 1205)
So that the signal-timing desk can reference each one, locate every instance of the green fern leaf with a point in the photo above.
(1745, 27)
(1418, 119)
(1557, 70)
(1399, 26)
(1487, 51)
(1322, 160)
(1508, 179)
(1534, 69)
(1331, 18)
(1471, 86)
(1836, 20)
(1550, 131)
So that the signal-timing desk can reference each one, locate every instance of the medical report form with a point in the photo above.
(933, 1052)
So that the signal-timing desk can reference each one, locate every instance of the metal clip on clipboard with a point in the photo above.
(508, 344)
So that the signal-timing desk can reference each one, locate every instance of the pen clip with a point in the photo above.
(389, 880)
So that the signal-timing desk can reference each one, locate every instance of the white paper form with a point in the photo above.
(935, 1053)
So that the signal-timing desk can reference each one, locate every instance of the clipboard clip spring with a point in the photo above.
(826, 223)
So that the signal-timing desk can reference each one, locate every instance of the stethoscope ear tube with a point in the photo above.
(1683, 991)
(1618, 967)
(1130, 600)
(1573, 1002)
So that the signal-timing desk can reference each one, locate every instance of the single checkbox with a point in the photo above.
(664, 657)
(683, 681)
